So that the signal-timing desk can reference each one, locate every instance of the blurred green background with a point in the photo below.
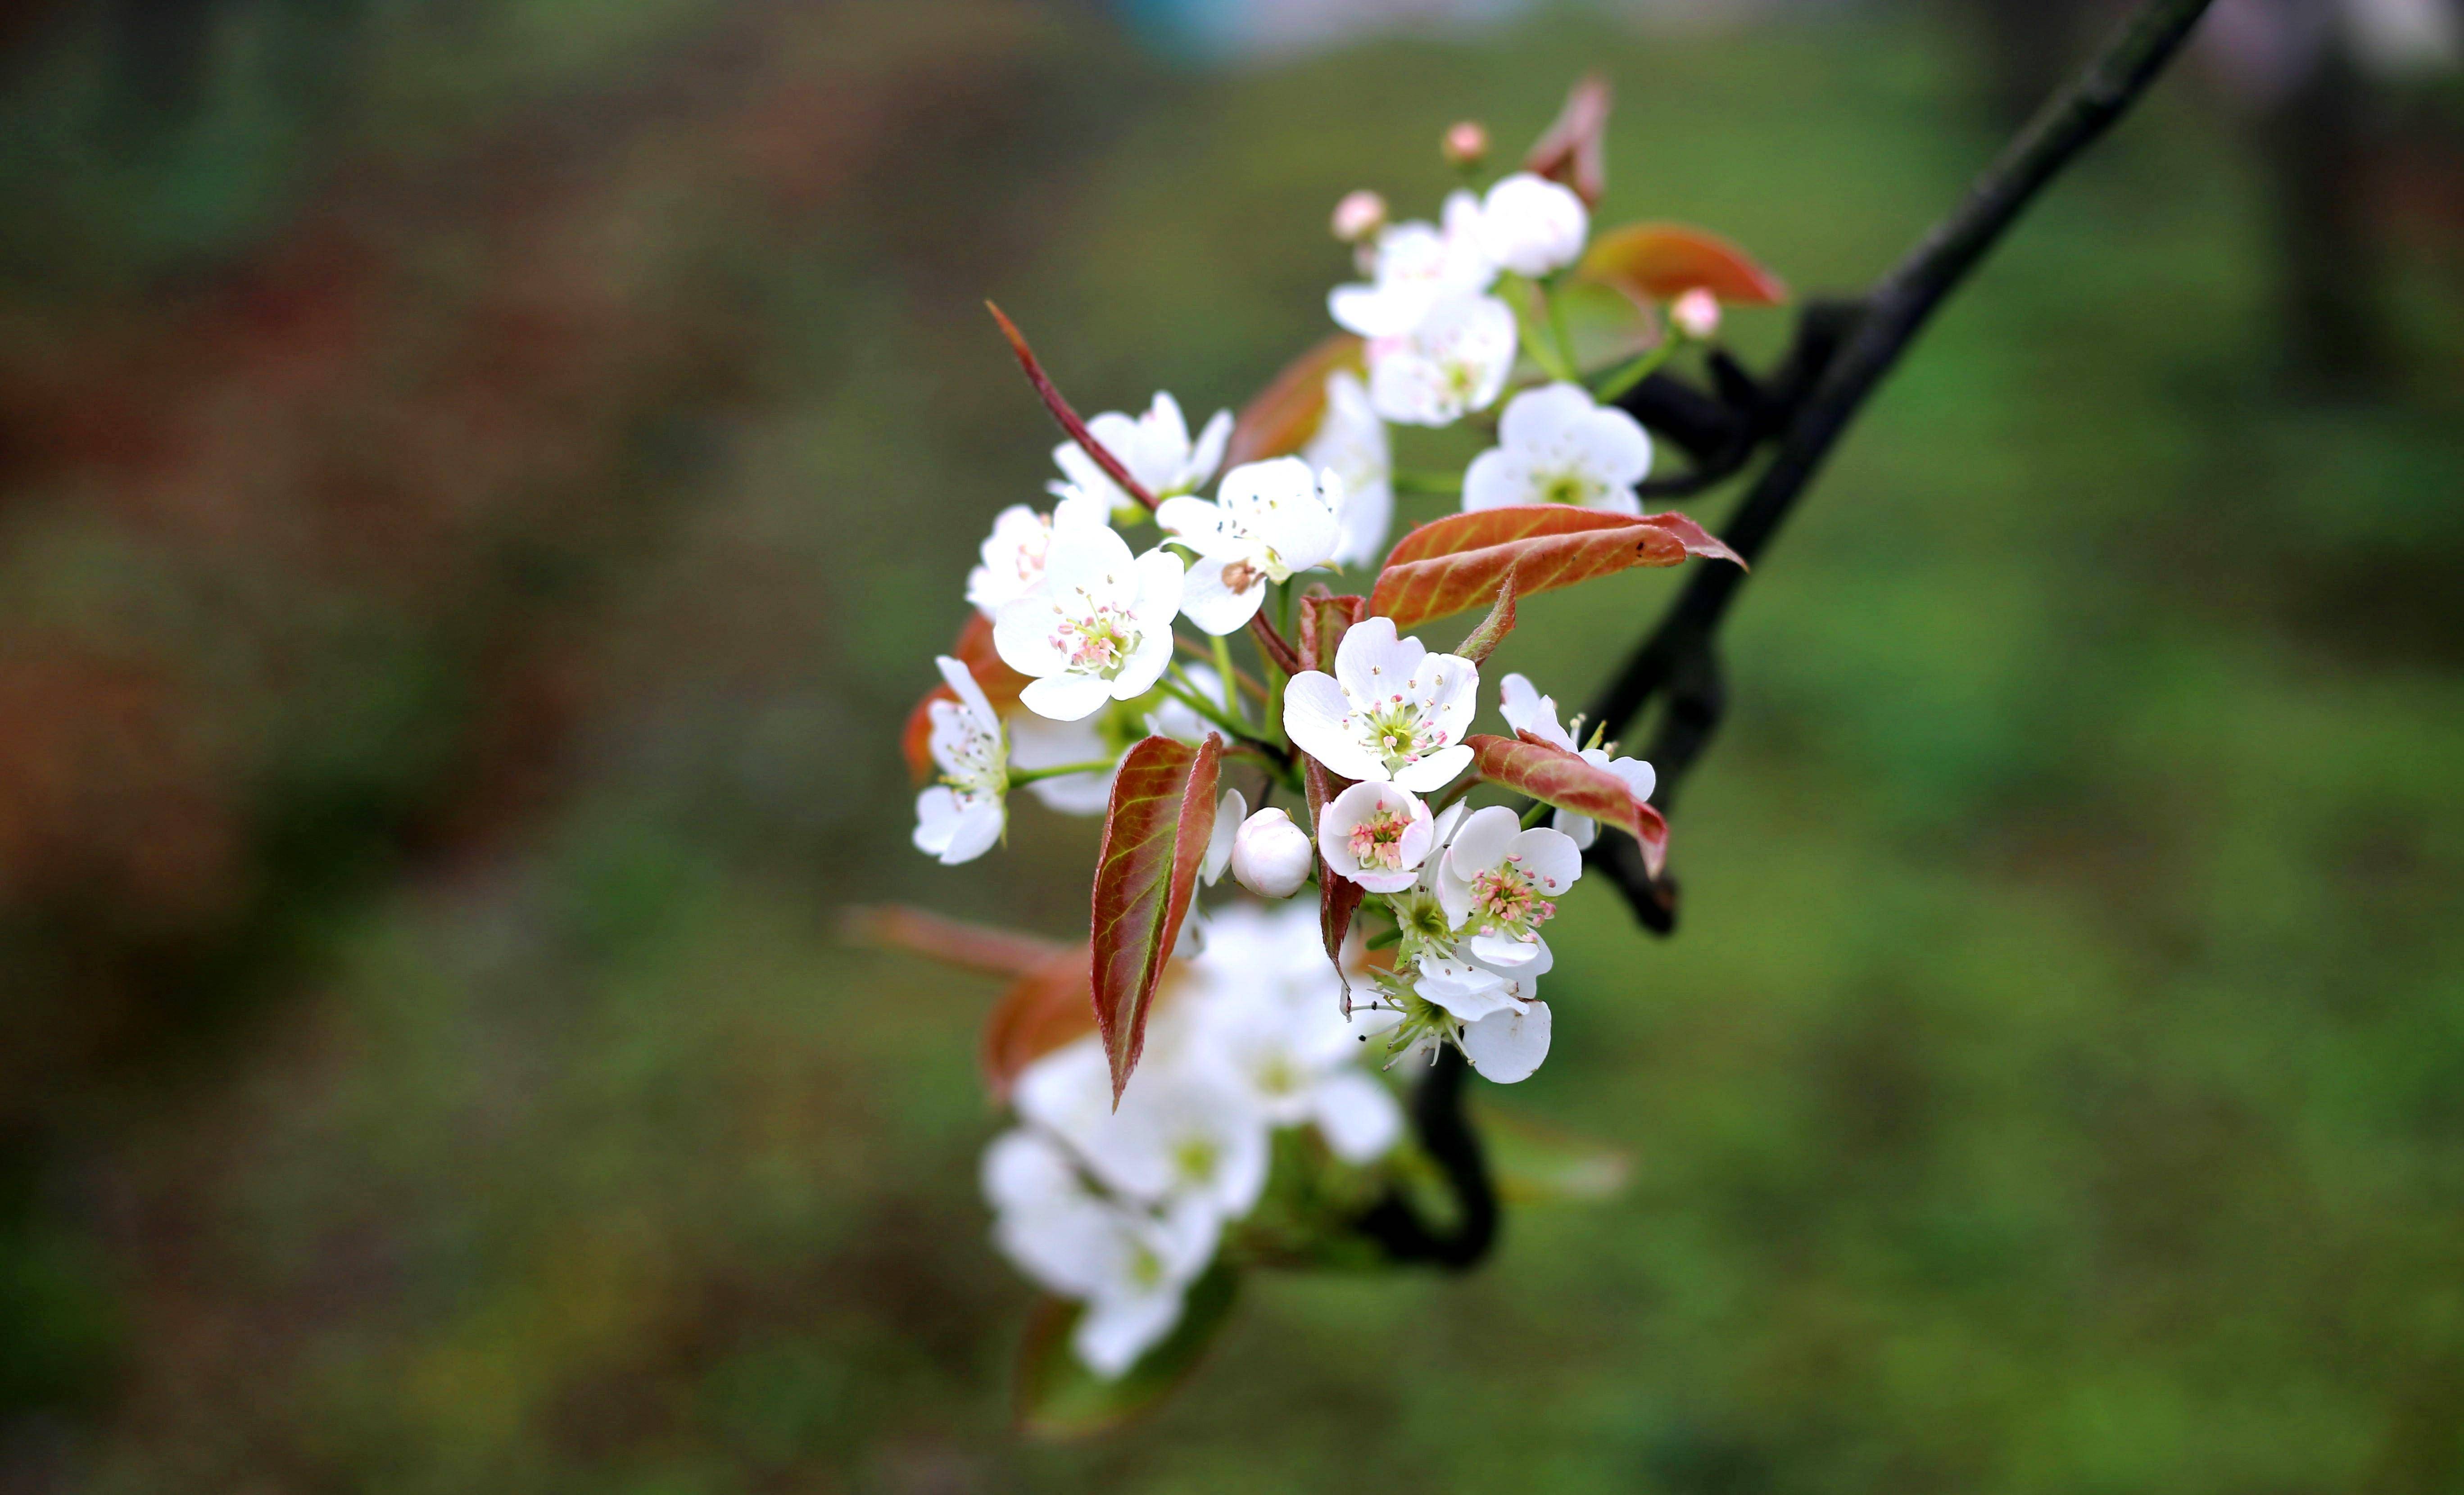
(480, 484)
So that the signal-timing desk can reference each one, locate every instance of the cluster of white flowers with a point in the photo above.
(1122, 1210)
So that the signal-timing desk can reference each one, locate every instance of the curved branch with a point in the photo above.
(1448, 1136)
(1679, 654)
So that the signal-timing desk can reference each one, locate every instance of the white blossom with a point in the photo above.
(1555, 445)
(1351, 443)
(1392, 711)
(1097, 627)
(1413, 267)
(1269, 520)
(1270, 855)
(1527, 710)
(1375, 834)
(1013, 554)
(1154, 447)
(959, 819)
(1497, 882)
(1182, 1132)
(1533, 226)
(1269, 1006)
(1129, 1265)
(1453, 361)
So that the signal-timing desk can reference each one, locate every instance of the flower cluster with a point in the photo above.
(1165, 645)
(1121, 1210)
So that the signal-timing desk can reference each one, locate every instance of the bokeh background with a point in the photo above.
(481, 483)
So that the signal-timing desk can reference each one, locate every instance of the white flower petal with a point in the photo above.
(1506, 1046)
(1357, 1115)
(1066, 697)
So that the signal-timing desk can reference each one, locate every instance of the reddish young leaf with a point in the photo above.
(1553, 776)
(1001, 685)
(1482, 641)
(1049, 1006)
(970, 947)
(1066, 417)
(1325, 619)
(1662, 261)
(1456, 562)
(1285, 414)
(1338, 898)
(1154, 835)
(1570, 150)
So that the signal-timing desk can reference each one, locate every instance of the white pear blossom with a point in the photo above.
(1533, 226)
(1555, 445)
(1129, 1265)
(1453, 361)
(959, 819)
(1351, 443)
(1270, 1009)
(1154, 447)
(1497, 882)
(1413, 267)
(1013, 554)
(1376, 835)
(1041, 742)
(1392, 711)
(1097, 627)
(1270, 855)
(1184, 1132)
(1527, 710)
(1269, 520)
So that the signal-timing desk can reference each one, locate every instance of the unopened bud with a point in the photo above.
(1270, 855)
(1696, 313)
(1465, 144)
(1360, 215)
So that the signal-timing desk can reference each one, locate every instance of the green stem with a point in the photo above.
(1019, 776)
(1513, 287)
(1231, 678)
(1183, 690)
(1557, 327)
(1634, 370)
(1531, 816)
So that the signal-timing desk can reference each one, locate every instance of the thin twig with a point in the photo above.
(1064, 415)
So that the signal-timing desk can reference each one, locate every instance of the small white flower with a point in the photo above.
(1182, 1129)
(1415, 267)
(1155, 447)
(1270, 1008)
(1392, 711)
(1454, 360)
(1129, 1267)
(1554, 444)
(1497, 883)
(1097, 627)
(1533, 226)
(1269, 520)
(1013, 555)
(1270, 855)
(1527, 710)
(1351, 443)
(1229, 813)
(1375, 834)
(959, 819)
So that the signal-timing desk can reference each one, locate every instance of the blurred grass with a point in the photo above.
(2054, 1087)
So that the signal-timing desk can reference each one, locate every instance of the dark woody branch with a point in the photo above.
(1842, 352)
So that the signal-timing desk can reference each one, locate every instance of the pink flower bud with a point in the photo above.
(1270, 855)
(1466, 143)
(1696, 313)
(1360, 215)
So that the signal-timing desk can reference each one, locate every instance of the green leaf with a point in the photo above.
(1459, 561)
(1058, 1397)
(1154, 835)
